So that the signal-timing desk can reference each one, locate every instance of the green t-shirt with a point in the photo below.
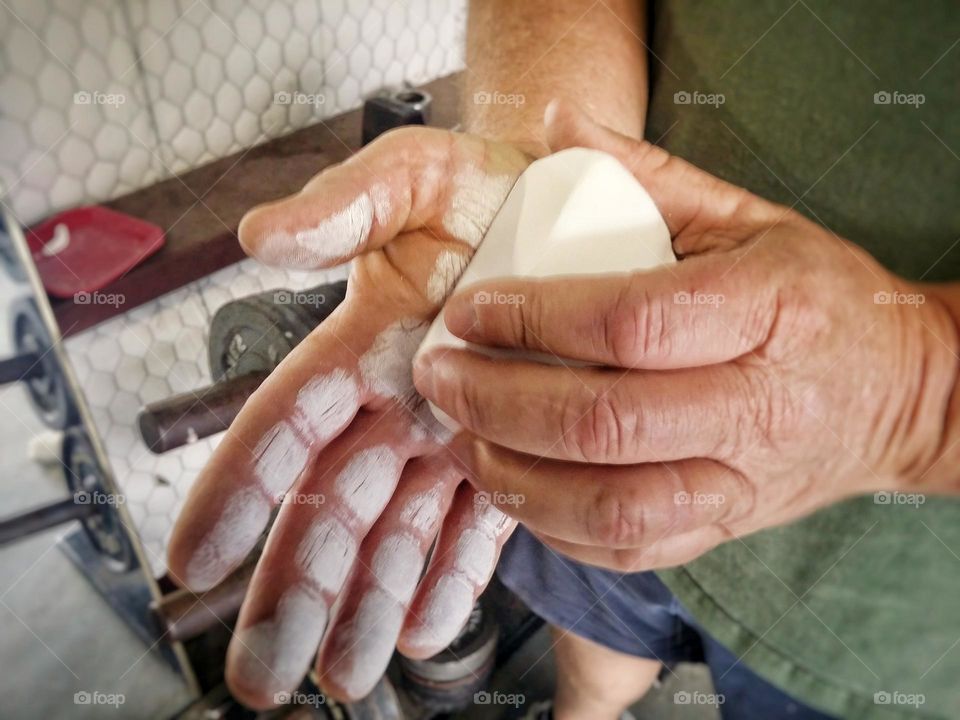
(849, 110)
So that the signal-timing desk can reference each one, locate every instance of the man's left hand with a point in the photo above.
(775, 369)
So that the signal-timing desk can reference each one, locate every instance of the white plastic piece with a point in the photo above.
(577, 212)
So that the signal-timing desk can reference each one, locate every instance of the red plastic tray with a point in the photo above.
(97, 246)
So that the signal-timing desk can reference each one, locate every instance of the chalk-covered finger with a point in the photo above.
(460, 568)
(408, 179)
(308, 400)
(310, 554)
(305, 402)
(361, 641)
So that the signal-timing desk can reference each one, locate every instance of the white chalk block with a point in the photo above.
(577, 212)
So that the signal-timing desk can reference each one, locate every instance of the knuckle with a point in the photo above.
(763, 412)
(467, 406)
(636, 325)
(615, 520)
(744, 498)
(484, 468)
(597, 434)
(528, 321)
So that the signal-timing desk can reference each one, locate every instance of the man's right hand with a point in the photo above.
(339, 434)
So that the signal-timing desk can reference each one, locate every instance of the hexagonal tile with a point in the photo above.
(191, 346)
(217, 37)
(94, 26)
(186, 44)
(199, 109)
(47, 127)
(246, 127)
(249, 27)
(257, 94)
(101, 175)
(91, 70)
(124, 407)
(131, 372)
(218, 137)
(161, 500)
(209, 74)
(229, 101)
(111, 142)
(185, 376)
(177, 82)
(160, 358)
(269, 57)
(360, 61)
(104, 353)
(295, 51)
(165, 325)
(66, 191)
(100, 388)
(58, 32)
(120, 439)
(155, 388)
(135, 339)
(14, 140)
(24, 50)
(348, 32)
(277, 20)
(55, 84)
(162, 14)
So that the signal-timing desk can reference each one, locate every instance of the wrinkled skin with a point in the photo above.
(774, 370)
(411, 175)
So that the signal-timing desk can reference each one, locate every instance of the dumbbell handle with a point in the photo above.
(177, 420)
(42, 518)
(20, 367)
(182, 615)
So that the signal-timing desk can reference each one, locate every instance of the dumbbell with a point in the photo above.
(392, 108)
(248, 339)
(306, 703)
(448, 681)
(90, 503)
(35, 365)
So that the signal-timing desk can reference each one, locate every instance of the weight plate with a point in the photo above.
(85, 480)
(253, 334)
(48, 388)
(448, 680)
(8, 256)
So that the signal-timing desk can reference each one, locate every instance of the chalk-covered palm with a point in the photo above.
(339, 429)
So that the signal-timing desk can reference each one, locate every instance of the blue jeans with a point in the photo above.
(636, 614)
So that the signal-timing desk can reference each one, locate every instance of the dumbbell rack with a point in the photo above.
(104, 547)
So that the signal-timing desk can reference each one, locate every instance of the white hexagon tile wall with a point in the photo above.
(198, 80)
(74, 119)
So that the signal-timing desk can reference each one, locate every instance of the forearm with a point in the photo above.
(520, 55)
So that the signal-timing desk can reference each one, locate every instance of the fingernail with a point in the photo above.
(460, 314)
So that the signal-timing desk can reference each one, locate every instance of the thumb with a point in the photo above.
(693, 202)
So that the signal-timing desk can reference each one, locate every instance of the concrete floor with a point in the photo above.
(57, 636)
